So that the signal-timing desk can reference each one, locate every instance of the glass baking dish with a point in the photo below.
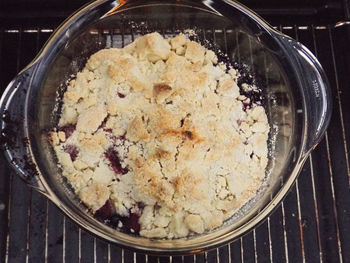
(295, 90)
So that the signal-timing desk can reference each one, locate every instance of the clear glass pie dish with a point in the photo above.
(297, 101)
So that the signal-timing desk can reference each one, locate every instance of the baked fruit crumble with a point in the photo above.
(157, 140)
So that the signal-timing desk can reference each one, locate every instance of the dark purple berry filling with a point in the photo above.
(132, 223)
(246, 105)
(108, 130)
(103, 123)
(121, 95)
(112, 155)
(157, 206)
(67, 129)
(106, 211)
(72, 150)
(122, 137)
(129, 224)
(254, 98)
(140, 205)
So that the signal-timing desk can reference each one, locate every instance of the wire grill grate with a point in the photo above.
(311, 225)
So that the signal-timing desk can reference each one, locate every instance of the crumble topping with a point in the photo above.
(157, 140)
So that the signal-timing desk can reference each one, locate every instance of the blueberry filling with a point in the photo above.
(112, 155)
(106, 211)
(103, 123)
(107, 214)
(67, 129)
(72, 150)
(120, 95)
(128, 224)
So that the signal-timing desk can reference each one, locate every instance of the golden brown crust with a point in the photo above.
(136, 131)
(161, 91)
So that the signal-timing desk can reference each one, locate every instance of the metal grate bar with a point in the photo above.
(300, 222)
(298, 195)
(268, 218)
(285, 238)
(319, 243)
(270, 243)
(242, 250)
(29, 198)
(95, 250)
(64, 240)
(8, 220)
(47, 231)
(334, 202)
(255, 252)
(340, 107)
(335, 213)
(79, 246)
(229, 253)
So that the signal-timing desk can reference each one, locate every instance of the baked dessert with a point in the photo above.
(157, 140)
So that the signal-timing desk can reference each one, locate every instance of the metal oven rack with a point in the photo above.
(311, 225)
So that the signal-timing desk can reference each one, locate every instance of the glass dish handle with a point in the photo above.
(14, 140)
(316, 94)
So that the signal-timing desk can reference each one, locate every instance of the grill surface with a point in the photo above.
(311, 225)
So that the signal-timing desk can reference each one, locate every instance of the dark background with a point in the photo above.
(311, 225)
(35, 12)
